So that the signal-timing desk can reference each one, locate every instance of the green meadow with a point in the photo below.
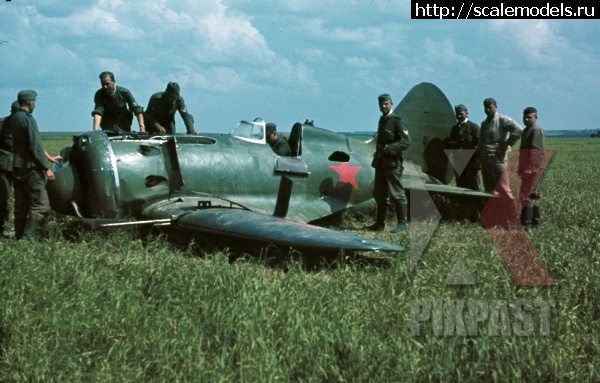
(126, 307)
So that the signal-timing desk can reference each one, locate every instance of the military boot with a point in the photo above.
(32, 228)
(379, 224)
(526, 214)
(20, 226)
(401, 216)
(536, 219)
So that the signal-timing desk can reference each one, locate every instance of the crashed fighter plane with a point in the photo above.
(234, 186)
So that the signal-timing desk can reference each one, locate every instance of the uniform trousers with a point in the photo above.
(31, 197)
(388, 185)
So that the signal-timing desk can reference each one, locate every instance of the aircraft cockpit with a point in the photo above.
(251, 131)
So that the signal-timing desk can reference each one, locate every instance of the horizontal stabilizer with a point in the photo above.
(452, 190)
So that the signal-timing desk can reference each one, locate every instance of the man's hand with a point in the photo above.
(50, 175)
(54, 159)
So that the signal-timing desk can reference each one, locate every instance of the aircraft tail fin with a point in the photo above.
(429, 117)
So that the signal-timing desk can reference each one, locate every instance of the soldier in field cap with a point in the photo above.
(531, 167)
(278, 143)
(465, 135)
(498, 134)
(392, 140)
(31, 169)
(6, 168)
(160, 113)
(114, 107)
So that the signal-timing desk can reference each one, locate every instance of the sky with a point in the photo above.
(292, 60)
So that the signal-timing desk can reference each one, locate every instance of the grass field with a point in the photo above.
(120, 308)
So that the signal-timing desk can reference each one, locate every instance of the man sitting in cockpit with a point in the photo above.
(278, 143)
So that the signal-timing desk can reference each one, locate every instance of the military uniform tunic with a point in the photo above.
(465, 135)
(281, 147)
(6, 167)
(116, 109)
(161, 111)
(29, 170)
(392, 140)
(496, 135)
(531, 163)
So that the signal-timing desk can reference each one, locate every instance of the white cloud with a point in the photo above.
(443, 52)
(143, 36)
(362, 62)
(359, 35)
(537, 40)
(256, 53)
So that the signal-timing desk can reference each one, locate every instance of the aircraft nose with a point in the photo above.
(63, 190)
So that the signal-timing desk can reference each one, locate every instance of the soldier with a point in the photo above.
(531, 167)
(278, 143)
(6, 168)
(30, 169)
(392, 140)
(465, 135)
(160, 114)
(115, 106)
(498, 134)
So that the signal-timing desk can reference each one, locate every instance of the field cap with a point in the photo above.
(460, 108)
(384, 97)
(271, 128)
(173, 87)
(489, 101)
(26, 95)
(529, 110)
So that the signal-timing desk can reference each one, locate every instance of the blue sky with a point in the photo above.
(290, 60)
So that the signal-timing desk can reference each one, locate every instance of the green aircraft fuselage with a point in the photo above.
(122, 175)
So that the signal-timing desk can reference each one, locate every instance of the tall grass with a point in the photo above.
(121, 307)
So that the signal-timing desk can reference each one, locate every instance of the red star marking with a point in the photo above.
(347, 173)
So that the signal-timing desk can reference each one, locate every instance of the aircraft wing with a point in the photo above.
(244, 225)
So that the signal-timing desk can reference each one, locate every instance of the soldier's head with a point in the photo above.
(107, 80)
(26, 99)
(271, 130)
(14, 107)
(172, 91)
(461, 112)
(529, 116)
(489, 107)
(385, 103)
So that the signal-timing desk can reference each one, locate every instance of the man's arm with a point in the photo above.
(402, 139)
(97, 119)
(37, 151)
(187, 118)
(514, 131)
(475, 130)
(140, 118)
(151, 111)
(54, 159)
(135, 108)
(97, 112)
